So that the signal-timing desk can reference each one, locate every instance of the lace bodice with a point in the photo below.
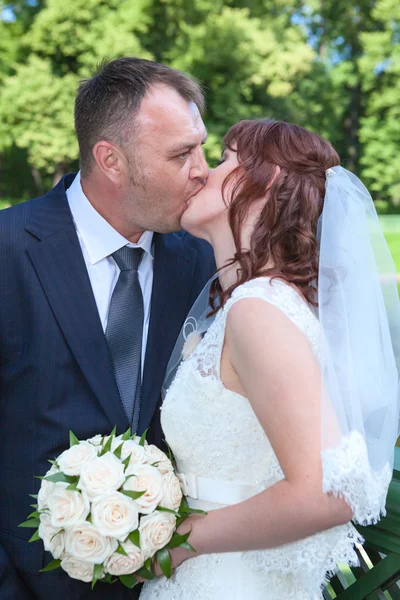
(214, 433)
(198, 407)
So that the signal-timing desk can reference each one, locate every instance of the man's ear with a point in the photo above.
(110, 160)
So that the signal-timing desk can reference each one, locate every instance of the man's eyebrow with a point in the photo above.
(188, 146)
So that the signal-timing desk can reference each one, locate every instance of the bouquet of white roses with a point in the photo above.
(108, 507)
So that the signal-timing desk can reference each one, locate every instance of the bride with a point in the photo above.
(283, 417)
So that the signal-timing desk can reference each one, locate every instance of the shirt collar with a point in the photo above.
(99, 237)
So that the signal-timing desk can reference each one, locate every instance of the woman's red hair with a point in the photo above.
(287, 226)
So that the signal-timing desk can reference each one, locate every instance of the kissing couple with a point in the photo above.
(273, 274)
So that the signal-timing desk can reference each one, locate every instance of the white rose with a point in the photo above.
(46, 488)
(78, 569)
(71, 461)
(67, 507)
(95, 440)
(137, 453)
(84, 542)
(156, 531)
(115, 515)
(145, 478)
(155, 455)
(118, 564)
(172, 493)
(53, 538)
(101, 475)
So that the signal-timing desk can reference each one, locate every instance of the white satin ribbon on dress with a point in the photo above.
(216, 491)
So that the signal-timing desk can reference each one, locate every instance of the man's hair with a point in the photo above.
(107, 104)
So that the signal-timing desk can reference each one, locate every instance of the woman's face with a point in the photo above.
(206, 210)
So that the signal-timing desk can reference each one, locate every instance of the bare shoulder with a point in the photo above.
(255, 319)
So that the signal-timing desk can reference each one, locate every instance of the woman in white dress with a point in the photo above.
(268, 417)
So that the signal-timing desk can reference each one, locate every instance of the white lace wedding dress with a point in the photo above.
(215, 435)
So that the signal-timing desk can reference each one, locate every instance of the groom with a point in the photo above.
(94, 288)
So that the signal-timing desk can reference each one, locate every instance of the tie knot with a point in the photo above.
(128, 259)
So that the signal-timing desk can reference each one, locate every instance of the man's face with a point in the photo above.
(166, 161)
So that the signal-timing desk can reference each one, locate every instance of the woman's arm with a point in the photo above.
(280, 376)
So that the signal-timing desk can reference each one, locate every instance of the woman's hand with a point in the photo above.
(179, 555)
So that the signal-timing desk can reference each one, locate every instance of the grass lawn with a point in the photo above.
(393, 240)
(391, 229)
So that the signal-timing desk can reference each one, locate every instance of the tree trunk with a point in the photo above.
(37, 180)
(352, 125)
(59, 173)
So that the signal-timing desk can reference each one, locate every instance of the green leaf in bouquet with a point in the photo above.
(185, 509)
(34, 496)
(184, 504)
(155, 464)
(143, 438)
(97, 574)
(33, 515)
(109, 579)
(145, 574)
(54, 564)
(126, 462)
(33, 505)
(164, 560)
(73, 487)
(128, 581)
(126, 435)
(118, 451)
(178, 540)
(134, 537)
(35, 537)
(148, 564)
(121, 550)
(107, 446)
(73, 440)
(187, 546)
(133, 495)
(31, 523)
(56, 534)
(114, 432)
(193, 511)
(170, 454)
(61, 477)
(38, 477)
(89, 518)
(168, 510)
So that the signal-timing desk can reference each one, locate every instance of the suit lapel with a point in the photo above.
(60, 266)
(172, 283)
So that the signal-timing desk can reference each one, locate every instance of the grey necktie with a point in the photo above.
(124, 331)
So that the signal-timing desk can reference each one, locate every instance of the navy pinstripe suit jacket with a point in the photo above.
(55, 371)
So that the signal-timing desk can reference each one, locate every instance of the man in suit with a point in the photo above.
(94, 288)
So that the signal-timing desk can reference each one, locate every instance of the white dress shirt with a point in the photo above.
(98, 241)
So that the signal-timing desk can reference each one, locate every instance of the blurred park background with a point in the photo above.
(330, 65)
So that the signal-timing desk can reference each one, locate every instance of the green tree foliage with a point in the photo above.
(332, 66)
(35, 114)
(380, 127)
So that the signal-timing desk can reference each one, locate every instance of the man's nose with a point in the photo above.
(200, 168)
